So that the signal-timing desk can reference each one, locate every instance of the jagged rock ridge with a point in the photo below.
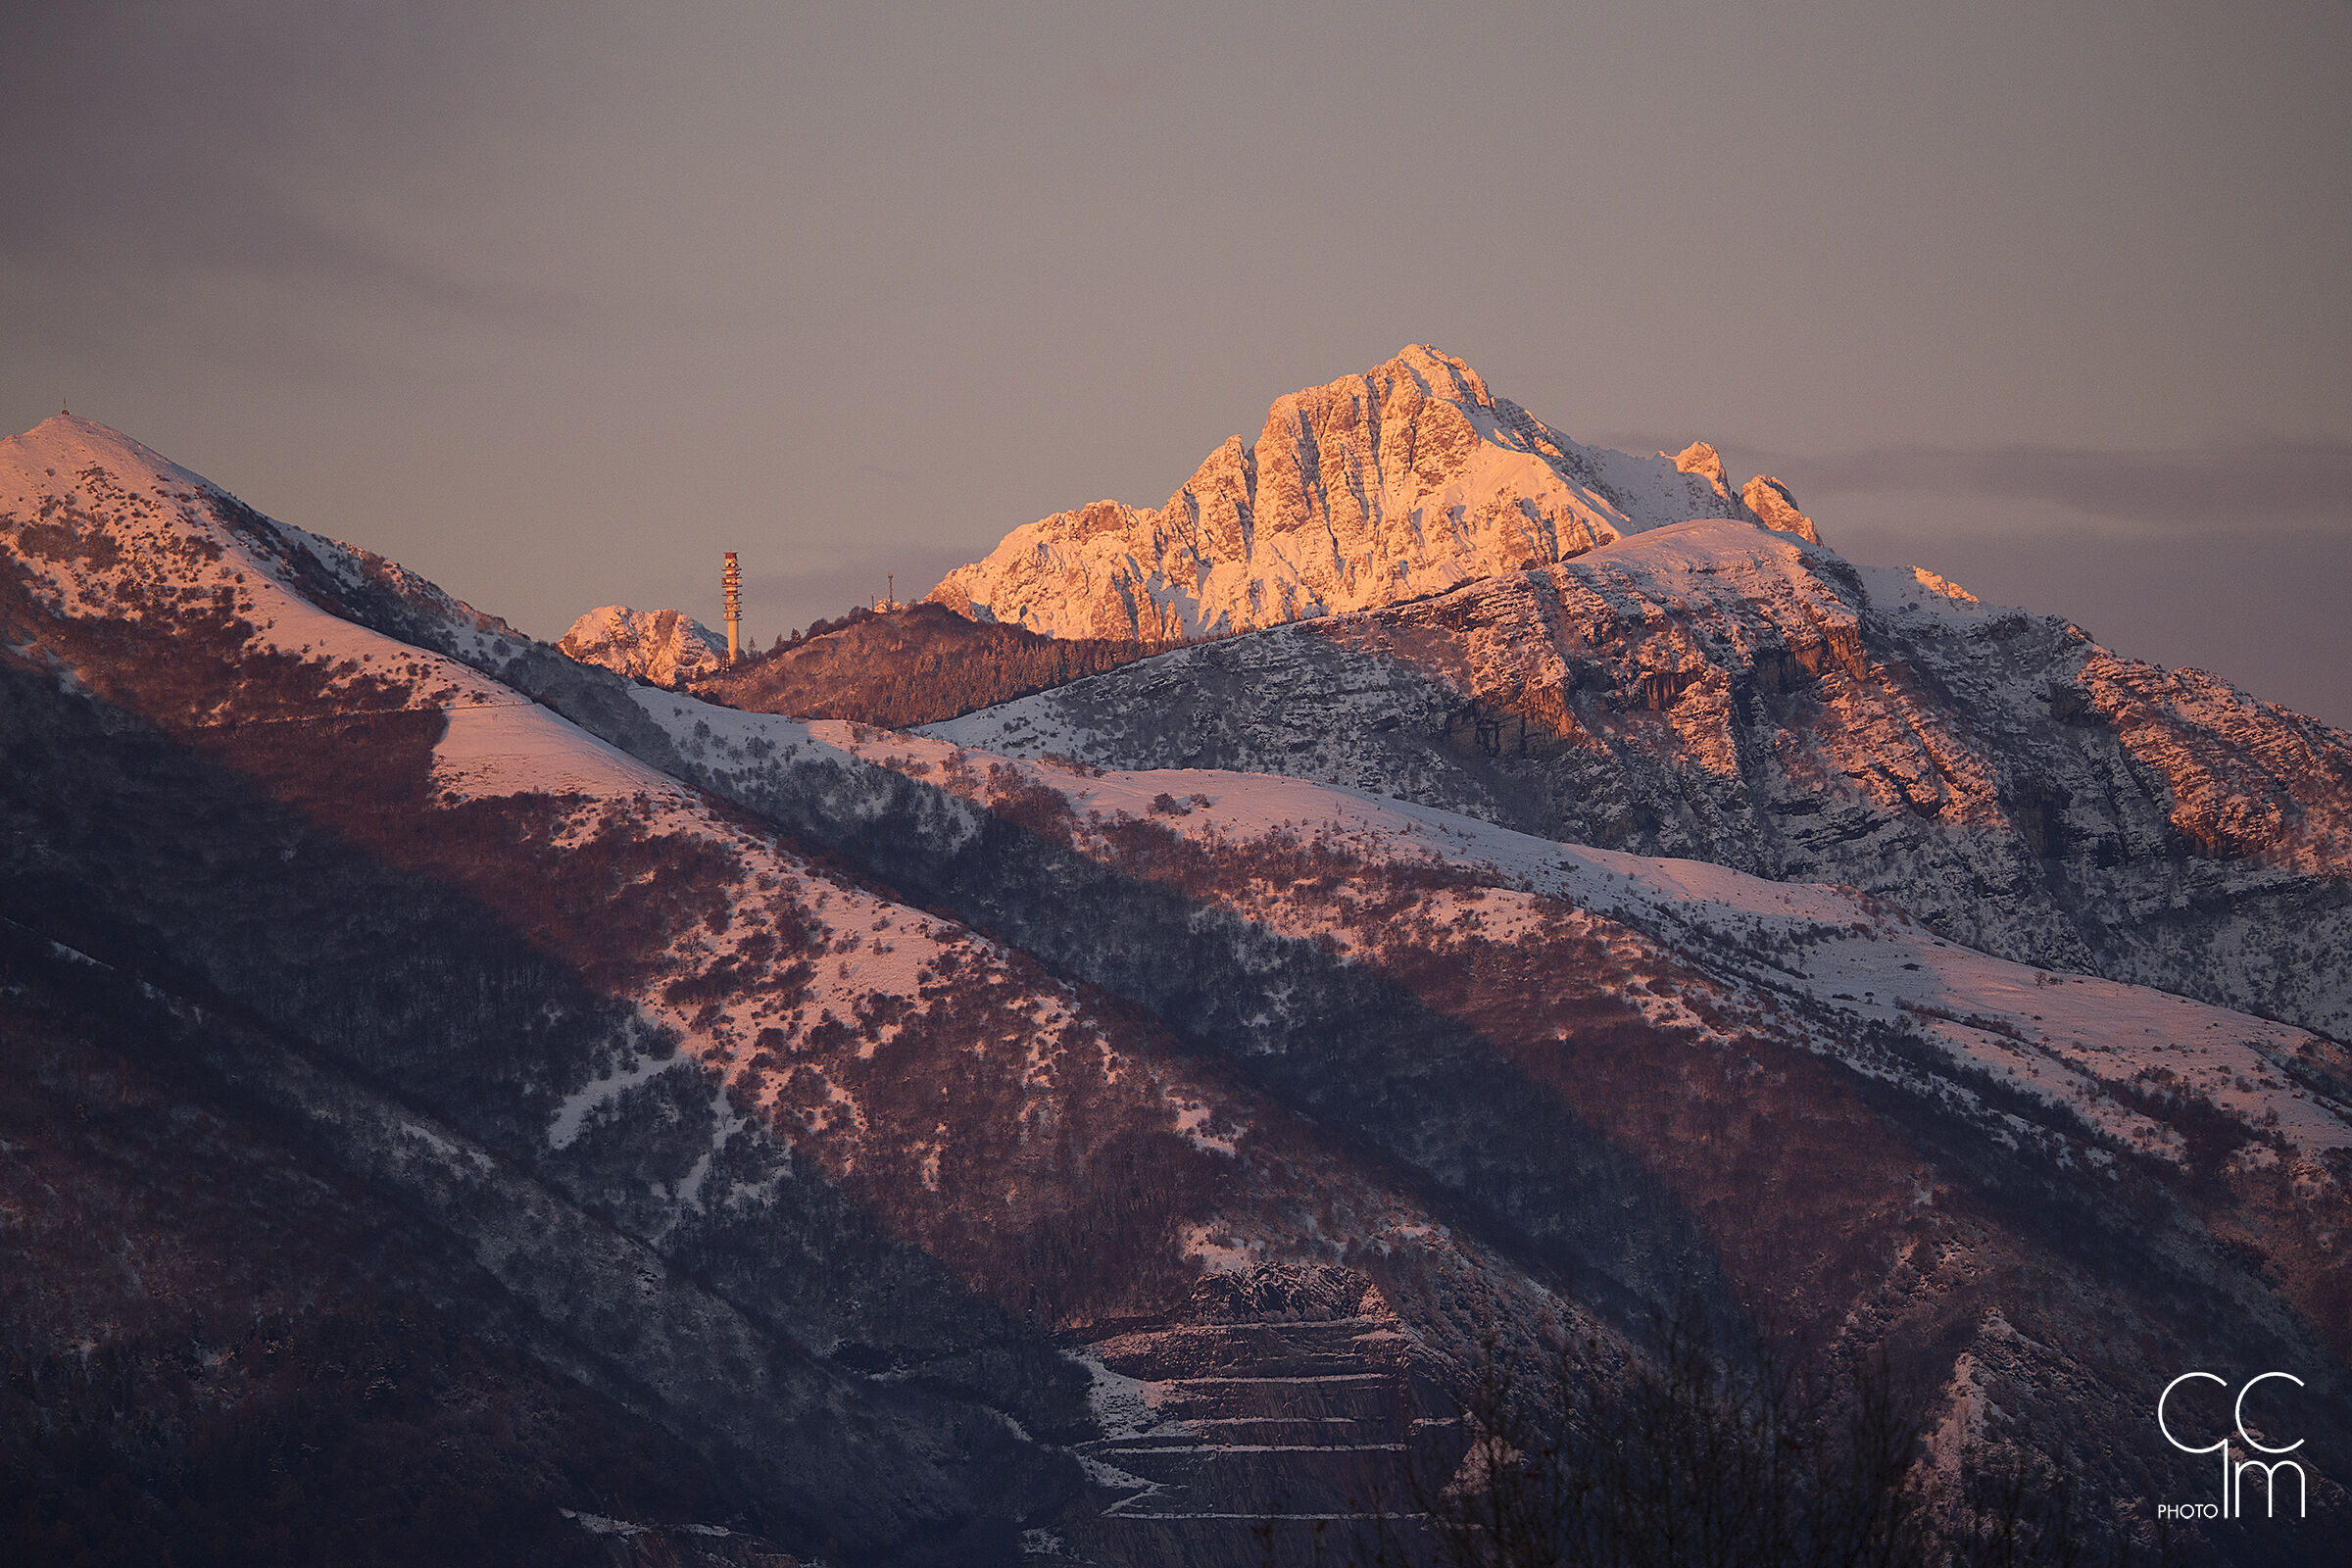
(662, 646)
(1402, 481)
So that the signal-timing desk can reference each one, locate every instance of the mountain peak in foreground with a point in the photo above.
(1406, 480)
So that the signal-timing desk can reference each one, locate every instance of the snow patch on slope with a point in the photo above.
(510, 745)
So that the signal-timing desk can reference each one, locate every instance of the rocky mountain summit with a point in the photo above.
(662, 646)
(1409, 479)
(893, 1151)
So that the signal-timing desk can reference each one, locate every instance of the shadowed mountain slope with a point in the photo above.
(908, 667)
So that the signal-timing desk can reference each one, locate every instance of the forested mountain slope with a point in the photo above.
(910, 665)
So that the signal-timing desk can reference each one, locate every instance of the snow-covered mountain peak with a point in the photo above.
(1407, 480)
(1768, 502)
(64, 444)
(1703, 460)
(1440, 375)
(105, 526)
(663, 646)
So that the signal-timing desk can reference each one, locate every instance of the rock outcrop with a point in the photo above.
(663, 646)
(1770, 503)
(1406, 481)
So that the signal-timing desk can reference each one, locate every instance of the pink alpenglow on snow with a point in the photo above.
(1406, 480)
(663, 646)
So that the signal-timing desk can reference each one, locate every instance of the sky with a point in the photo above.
(555, 303)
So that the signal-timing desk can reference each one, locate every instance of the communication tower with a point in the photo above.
(730, 582)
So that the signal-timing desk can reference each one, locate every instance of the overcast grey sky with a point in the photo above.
(556, 302)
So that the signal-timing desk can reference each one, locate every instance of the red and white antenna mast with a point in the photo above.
(730, 582)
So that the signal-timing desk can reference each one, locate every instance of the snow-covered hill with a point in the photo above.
(1402, 481)
(662, 646)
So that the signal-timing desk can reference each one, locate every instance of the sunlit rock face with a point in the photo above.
(1771, 504)
(1406, 481)
(662, 646)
